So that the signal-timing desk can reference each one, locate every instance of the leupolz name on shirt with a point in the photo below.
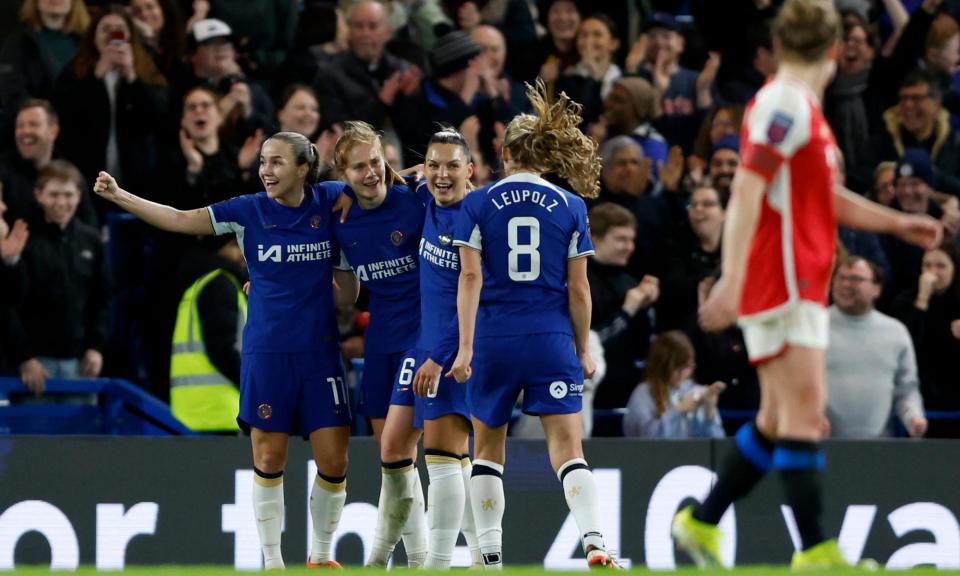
(438, 256)
(311, 252)
(508, 197)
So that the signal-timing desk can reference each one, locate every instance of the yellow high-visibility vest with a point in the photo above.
(200, 396)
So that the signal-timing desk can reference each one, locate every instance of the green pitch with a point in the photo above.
(515, 571)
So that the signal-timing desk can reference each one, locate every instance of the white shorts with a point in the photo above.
(807, 324)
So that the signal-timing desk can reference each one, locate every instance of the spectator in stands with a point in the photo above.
(245, 105)
(684, 94)
(264, 32)
(557, 50)
(32, 58)
(111, 99)
(591, 79)
(916, 182)
(35, 135)
(496, 83)
(365, 82)
(669, 405)
(299, 111)
(719, 122)
(205, 364)
(919, 120)
(446, 97)
(65, 284)
(630, 109)
(724, 161)
(620, 303)
(884, 186)
(871, 365)
(693, 254)
(931, 312)
(625, 180)
(164, 34)
(206, 169)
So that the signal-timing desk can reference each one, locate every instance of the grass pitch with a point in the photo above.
(511, 571)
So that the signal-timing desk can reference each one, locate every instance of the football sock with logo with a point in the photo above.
(800, 464)
(268, 510)
(326, 505)
(468, 526)
(415, 529)
(396, 499)
(580, 490)
(486, 498)
(446, 506)
(741, 470)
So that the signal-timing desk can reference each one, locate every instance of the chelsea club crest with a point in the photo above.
(396, 237)
(315, 221)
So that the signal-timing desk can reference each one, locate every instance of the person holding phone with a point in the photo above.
(111, 100)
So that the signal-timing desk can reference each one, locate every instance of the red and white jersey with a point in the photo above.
(787, 141)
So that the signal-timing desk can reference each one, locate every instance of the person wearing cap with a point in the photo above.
(449, 95)
(684, 93)
(915, 190)
(919, 120)
(367, 81)
(724, 161)
(215, 65)
(629, 110)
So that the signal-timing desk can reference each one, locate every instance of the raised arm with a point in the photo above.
(855, 211)
(468, 301)
(347, 287)
(193, 222)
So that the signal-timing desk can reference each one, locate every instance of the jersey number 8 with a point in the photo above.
(529, 249)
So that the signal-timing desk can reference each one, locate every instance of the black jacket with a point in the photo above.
(85, 121)
(349, 90)
(19, 178)
(625, 339)
(67, 289)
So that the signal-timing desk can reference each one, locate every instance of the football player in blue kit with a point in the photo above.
(288, 384)
(378, 240)
(441, 408)
(526, 243)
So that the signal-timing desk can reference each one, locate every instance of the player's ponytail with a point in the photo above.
(551, 141)
(304, 152)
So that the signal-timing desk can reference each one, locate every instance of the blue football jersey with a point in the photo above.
(380, 246)
(290, 254)
(526, 229)
(439, 276)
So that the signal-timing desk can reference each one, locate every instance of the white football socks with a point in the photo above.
(580, 490)
(396, 499)
(326, 505)
(447, 498)
(268, 510)
(467, 525)
(415, 529)
(487, 500)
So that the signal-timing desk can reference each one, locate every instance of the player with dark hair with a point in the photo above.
(779, 239)
(288, 385)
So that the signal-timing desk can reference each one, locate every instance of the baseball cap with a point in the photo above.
(210, 29)
(916, 163)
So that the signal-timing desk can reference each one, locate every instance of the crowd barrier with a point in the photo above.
(115, 501)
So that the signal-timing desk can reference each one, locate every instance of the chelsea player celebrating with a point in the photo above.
(379, 239)
(526, 242)
(441, 404)
(288, 385)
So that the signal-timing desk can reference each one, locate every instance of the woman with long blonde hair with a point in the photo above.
(525, 241)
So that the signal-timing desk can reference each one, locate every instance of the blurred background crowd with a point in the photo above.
(174, 97)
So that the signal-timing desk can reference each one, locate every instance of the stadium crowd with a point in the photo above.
(174, 99)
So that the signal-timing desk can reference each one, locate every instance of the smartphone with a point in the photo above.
(117, 37)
